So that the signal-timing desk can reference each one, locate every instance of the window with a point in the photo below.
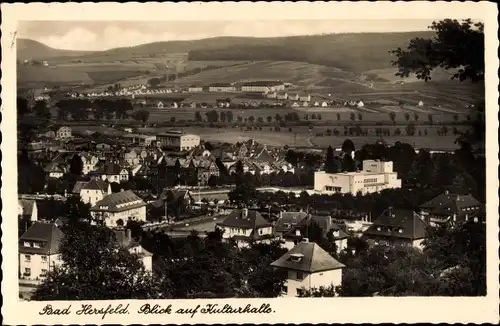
(44, 271)
(27, 258)
(44, 258)
(379, 228)
(27, 244)
(36, 245)
(299, 292)
(27, 271)
(300, 276)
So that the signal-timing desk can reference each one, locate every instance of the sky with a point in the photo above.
(103, 35)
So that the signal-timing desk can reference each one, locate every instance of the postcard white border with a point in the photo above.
(341, 310)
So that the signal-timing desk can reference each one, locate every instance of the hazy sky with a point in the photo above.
(102, 35)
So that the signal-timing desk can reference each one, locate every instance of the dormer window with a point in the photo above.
(296, 258)
(400, 230)
(379, 228)
(36, 245)
(27, 244)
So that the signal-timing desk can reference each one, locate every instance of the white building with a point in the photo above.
(262, 87)
(195, 89)
(118, 208)
(178, 141)
(39, 250)
(27, 209)
(309, 267)
(245, 226)
(63, 133)
(375, 176)
(112, 172)
(93, 191)
(221, 87)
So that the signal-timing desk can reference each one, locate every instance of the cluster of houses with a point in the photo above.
(307, 264)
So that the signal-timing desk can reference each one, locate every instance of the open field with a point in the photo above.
(299, 73)
(327, 114)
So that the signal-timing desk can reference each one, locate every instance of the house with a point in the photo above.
(292, 227)
(159, 105)
(118, 208)
(246, 226)
(112, 172)
(360, 104)
(205, 169)
(271, 95)
(375, 176)
(221, 87)
(124, 240)
(282, 96)
(397, 227)
(324, 104)
(89, 162)
(420, 103)
(63, 132)
(27, 209)
(452, 208)
(195, 89)
(295, 105)
(178, 141)
(39, 250)
(305, 104)
(294, 97)
(316, 103)
(92, 191)
(305, 98)
(54, 170)
(308, 267)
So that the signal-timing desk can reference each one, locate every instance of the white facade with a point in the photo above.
(195, 89)
(375, 176)
(56, 174)
(89, 164)
(221, 89)
(298, 280)
(36, 266)
(92, 196)
(63, 132)
(145, 257)
(111, 218)
(188, 142)
(123, 176)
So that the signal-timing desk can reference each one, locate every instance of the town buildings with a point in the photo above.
(375, 176)
(178, 141)
(39, 250)
(308, 267)
(27, 209)
(63, 132)
(118, 208)
(112, 172)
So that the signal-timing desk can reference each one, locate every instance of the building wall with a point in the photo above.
(37, 264)
(63, 132)
(375, 177)
(311, 280)
(110, 218)
(91, 196)
(188, 142)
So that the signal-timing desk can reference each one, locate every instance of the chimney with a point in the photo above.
(244, 213)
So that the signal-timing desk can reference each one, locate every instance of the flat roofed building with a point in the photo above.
(178, 141)
(139, 139)
(262, 86)
(375, 176)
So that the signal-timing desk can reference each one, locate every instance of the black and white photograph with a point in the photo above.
(257, 159)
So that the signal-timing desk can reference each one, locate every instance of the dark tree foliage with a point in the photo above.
(457, 45)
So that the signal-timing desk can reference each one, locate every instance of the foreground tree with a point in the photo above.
(95, 267)
(457, 45)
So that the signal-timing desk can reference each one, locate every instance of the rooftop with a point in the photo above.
(47, 233)
(307, 257)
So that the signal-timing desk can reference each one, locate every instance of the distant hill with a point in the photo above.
(34, 50)
(351, 52)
